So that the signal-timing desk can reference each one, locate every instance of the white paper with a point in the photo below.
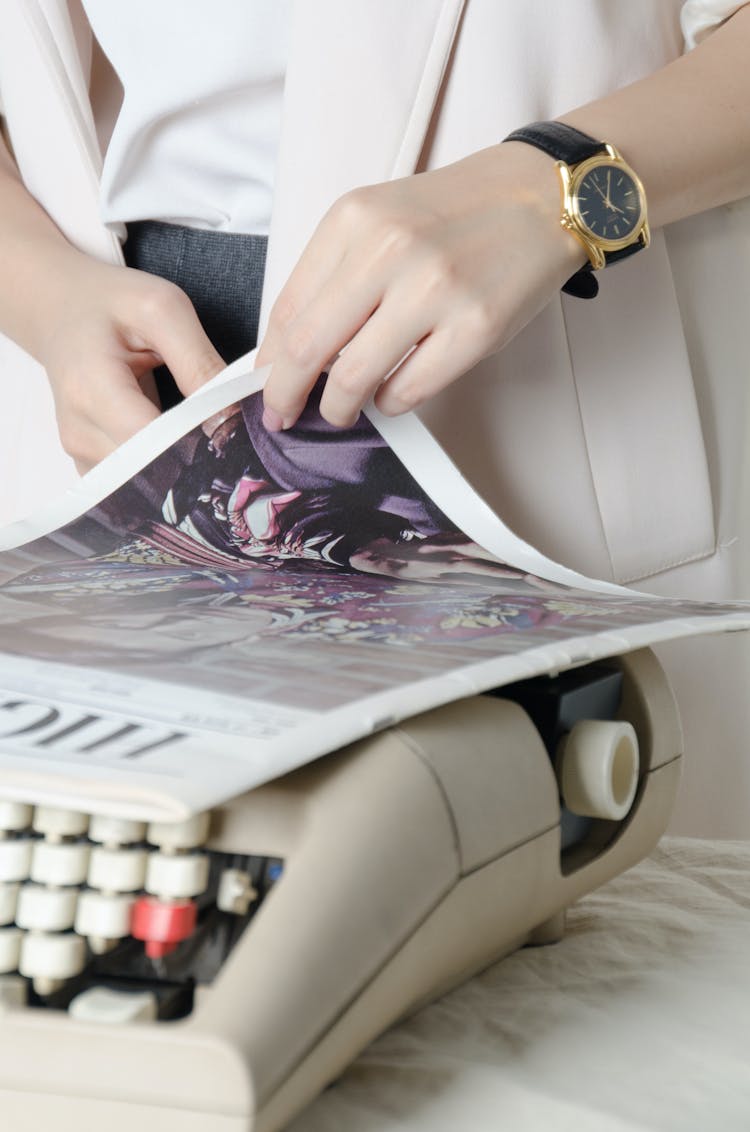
(214, 605)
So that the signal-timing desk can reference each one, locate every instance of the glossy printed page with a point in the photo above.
(266, 597)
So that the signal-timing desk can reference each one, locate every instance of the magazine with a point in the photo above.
(215, 605)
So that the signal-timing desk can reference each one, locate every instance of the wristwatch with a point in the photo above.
(603, 202)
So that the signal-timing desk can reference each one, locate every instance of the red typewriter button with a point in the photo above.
(162, 924)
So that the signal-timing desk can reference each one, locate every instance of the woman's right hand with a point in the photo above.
(100, 339)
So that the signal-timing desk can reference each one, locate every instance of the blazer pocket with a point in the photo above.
(640, 420)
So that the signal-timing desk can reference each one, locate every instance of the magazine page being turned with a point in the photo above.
(215, 605)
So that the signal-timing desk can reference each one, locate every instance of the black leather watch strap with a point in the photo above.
(583, 285)
(562, 142)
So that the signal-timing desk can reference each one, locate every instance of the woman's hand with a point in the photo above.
(419, 279)
(106, 330)
(452, 263)
(98, 329)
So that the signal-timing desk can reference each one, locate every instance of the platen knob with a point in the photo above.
(597, 768)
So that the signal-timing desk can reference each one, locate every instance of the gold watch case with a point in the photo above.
(570, 180)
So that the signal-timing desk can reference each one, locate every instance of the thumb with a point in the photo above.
(176, 334)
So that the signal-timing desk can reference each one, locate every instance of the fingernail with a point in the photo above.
(272, 421)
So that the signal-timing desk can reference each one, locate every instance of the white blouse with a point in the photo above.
(699, 17)
(197, 136)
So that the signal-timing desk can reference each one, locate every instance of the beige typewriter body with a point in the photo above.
(410, 860)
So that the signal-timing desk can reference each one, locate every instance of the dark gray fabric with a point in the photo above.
(221, 272)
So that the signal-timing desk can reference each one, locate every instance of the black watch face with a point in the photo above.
(609, 203)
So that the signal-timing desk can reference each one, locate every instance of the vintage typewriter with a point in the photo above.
(215, 974)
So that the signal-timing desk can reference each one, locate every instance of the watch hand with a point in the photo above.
(605, 198)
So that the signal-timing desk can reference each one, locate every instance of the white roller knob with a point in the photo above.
(60, 862)
(15, 858)
(56, 822)
(176, 877)
(597, 768)
(117, 870)
(14, 815)
(51, 959)
(188, 834)
(116, 831)
(10, 949)
(8, 901)
(235, 892)
(103, 918)
(46, 909)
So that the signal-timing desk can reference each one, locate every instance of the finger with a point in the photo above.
(118, 407)
(95, 446)
(86, 443)
(147, 383)
(437, 361)
(98, 412)
(321, 257)
(386, 339)
(174, 331)
(326, 325)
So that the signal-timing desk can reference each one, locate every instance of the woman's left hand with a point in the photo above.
(416, 280)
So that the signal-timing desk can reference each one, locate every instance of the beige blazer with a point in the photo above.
(611, 434)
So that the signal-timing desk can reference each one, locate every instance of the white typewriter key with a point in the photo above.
(14, 815)
(59, 862)
(235, 893)
(117, 870)
(46, 909)
(15, 858)
(50, 959)
(14, 992)
(116, 831)
(103, 918)
(100, 1004)
(10, 949)
(188, 834)
(8, 901)
(56, 822)
(176, 877)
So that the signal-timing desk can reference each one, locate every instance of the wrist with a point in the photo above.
(52, 293)
(539, 189)
(39, 266)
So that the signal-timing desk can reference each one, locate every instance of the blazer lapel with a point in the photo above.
(362, 82)
(71, 36)
(47, 51)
